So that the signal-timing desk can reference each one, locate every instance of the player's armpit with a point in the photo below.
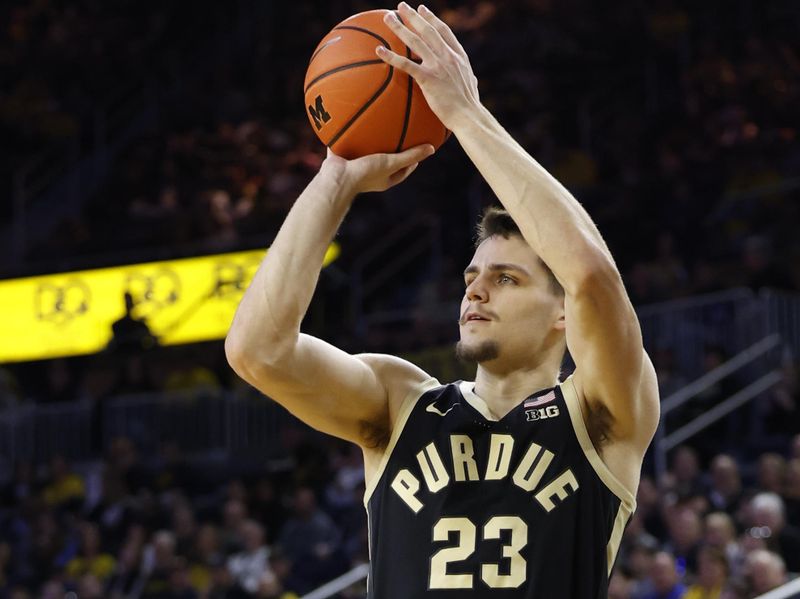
(612, 369)
(330, 390)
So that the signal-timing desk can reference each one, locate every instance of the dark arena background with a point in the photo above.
(149, 152)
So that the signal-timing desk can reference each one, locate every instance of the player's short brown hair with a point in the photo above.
(497, 221)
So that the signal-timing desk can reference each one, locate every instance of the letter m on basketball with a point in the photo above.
(318, 113)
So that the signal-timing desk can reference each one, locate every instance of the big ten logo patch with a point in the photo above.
(542, 413)
(153, 290)
(60, 303)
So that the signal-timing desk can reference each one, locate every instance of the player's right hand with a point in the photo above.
(376, 172)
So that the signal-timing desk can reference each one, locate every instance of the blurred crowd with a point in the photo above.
(674, 122)
(682, 122)
(715, 531)
(167, 527)
(59, 60)
(170, 527)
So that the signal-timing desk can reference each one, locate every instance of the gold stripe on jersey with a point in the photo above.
(406, 407)
(627, 500)
(616, 536)
(467, 389)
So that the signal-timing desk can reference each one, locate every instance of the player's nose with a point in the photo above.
(476, 291)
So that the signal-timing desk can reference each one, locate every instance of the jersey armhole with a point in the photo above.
(403, 414)
(570, 394)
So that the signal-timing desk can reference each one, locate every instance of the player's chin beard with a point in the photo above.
(482, 352)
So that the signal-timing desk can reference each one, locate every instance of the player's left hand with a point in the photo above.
(445, 74)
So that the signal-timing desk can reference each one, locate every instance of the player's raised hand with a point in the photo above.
(376, 172)
(445, 74)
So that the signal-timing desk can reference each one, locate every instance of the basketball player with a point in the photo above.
(515, 485)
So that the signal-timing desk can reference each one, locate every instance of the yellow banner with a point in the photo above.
(181, 301)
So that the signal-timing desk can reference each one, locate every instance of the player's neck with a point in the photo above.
(502, 392)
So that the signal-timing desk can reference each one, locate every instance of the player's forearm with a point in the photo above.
(267, 321)
(552, 221)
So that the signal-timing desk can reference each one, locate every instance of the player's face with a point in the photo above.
(508, 311)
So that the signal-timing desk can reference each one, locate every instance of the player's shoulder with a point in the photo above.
(394, 368)
(404, 383)
(400, 378)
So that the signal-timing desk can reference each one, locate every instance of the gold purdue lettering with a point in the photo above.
(558, 487)
(464, 464)
(528, 474)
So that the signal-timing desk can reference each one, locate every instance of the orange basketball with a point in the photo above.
(356, 103)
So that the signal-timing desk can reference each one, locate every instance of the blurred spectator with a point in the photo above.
(768, 513)
(685, 534)
(639, 562)
(204, 557)
(685, 474)
(765, 571)
(665, 579)
(620, 586)
(310, 539)
(267, 505)
(114, 510)
(712, 575)
(90, 587)
(341, 494)
(771, 472)
(66, 488)
(180, 586)
(250, 569)
(130, 334)
(91, 560)
(127, 579)
(720, 534)
(648, 505)
(52, 589)
(308, 531)
(159, 561)
(233, 518)
(726, 486)
(184, 526)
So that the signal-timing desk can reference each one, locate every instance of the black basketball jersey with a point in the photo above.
(467, 506)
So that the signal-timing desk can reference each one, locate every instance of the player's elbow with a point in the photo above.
(235, 352)
(248, 354)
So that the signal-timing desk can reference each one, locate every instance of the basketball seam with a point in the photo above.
(344, 67)
(361, 110)
(363, 30)
(354, 28)
(409, 96)
(322, 47)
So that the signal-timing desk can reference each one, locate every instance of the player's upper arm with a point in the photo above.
(605, 341)
(330, 390)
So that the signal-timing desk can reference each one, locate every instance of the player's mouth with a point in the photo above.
(474, 317)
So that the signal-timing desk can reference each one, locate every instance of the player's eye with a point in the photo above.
(504, 279)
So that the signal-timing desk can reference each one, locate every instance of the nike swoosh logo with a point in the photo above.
(434, 410)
